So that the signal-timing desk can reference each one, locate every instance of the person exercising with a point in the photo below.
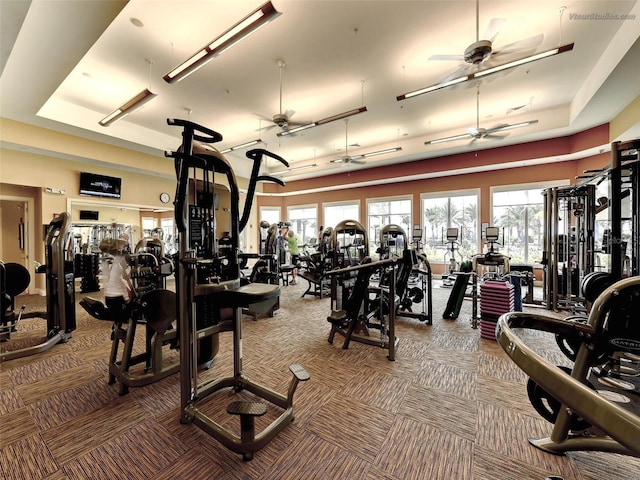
(294, 251)
(118, 290)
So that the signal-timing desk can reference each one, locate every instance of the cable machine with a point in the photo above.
(569, 243)
(60, 285)
(211, 297)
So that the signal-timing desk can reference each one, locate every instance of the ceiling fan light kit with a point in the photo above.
(241, 30)
(135, 103)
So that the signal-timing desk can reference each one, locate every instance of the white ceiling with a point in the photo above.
(74, 62)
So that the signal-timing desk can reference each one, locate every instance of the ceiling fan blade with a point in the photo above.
(526, 45)
(473, 131)
(497, 128)
(495, 137)
(510, 126)
(268, 127)
(493, 29)
(290, 113)
(447, 58)
(262, 117)
(358, 162)
(472, 142)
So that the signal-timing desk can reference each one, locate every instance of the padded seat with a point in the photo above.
(246, 295)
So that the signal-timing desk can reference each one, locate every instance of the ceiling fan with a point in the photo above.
(281, 119)
(480, 59)
(476, 133)
(358, 159)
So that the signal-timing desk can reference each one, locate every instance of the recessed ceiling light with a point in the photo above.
(137, 22)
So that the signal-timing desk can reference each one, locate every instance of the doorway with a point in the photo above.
(17, 220)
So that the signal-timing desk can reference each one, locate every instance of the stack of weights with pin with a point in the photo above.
(496, 298)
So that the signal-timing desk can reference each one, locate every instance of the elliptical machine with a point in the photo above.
(60, 290)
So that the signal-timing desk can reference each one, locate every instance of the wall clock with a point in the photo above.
(164, 197)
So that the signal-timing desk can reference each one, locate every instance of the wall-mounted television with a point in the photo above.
(99, 185)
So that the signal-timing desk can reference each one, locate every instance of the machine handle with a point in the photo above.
(211, 136)
(269, 178)
(257, 153)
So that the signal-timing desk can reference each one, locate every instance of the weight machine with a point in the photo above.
(569, 244)
(583, 419)
(413, 284)
(154, 308)
(60, 313)
(211, 297)
(357, 314)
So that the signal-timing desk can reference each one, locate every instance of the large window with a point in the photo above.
(270, 215)
(450, 210)
(304, 222)
(519, 212)
(381, 212)
(334, 213)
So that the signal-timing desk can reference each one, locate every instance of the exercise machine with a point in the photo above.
(582, 418)
(60, 291)
(207, 282)
(359, 314)
(452, 257)
(316, 265)
(570, 214)
(413, 285)
(152, 307)
(348, 244)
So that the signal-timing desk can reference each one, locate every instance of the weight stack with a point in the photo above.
(496, 298)
(87, 267)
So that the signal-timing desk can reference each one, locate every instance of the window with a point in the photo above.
(519, 213)
(270, 215)
(450, 210)
(168, 237)
(383, 212)
(334, 213)
(304, 222)
(148, 224)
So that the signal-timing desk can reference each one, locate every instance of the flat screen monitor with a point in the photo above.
(96, 185)
(452, 234)
(492, 234)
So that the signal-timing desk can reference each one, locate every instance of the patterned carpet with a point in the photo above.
(452, 406)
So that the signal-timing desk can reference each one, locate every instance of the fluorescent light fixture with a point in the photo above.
(301, 167)
(522, 61)
(332, 118)
(482, 133)
(518, 125)
(367, 155)
(340, 116)
(296, 130)
(448, 139)
(382, 152)
(241, 146)
(489, 71)
(432, 88)
(241, 30)
(136, 102)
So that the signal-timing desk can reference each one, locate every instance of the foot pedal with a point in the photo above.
(299, 372)
(251, 409)
(337, 318)
(247, 411)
